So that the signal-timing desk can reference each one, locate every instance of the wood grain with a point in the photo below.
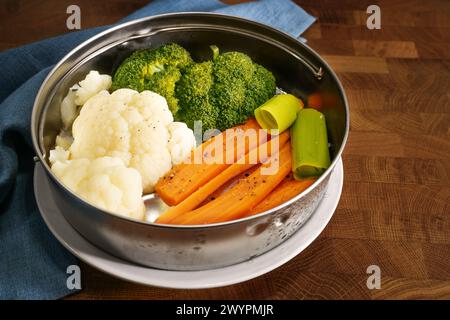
(357, 64)
(385, 49)
(395, 207)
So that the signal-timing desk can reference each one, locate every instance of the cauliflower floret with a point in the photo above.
(90, 86)
(133, 127)
(64, 140)
(58, 154)
(100, 130)
(79, 93)
(104, 182)
(69, 108)
(181, 141)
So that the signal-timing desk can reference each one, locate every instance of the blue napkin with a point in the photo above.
(33, 264)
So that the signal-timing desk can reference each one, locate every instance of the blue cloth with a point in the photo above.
(33, 264)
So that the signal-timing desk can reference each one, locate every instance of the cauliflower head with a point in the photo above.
(135, 127)
(104, 182)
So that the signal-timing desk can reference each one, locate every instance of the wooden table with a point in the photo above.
(395, 207)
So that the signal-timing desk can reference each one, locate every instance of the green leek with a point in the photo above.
(310, 154)
(279, 112)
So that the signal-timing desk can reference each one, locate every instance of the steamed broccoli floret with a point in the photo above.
(192, 92)
(230, 66)
(157, 70)
(233, 74)
(229, 99)
(223, 92)
(195, 83)
(164, 83)
(260, 88)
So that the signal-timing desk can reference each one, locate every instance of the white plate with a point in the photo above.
(253, 268)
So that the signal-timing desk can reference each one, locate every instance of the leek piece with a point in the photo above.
(279, 112)
(309, 141)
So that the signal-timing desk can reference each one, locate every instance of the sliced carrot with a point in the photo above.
(183, 179)
(315, 101)
(246, 194)
(285, 191)
(229, 184)
(253, 157)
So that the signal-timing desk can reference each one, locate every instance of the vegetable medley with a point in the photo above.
(133, 134)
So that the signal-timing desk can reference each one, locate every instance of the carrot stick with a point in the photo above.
(253, 157)
(183, 179)
(229, 184)
(285, 191)
(248, 192)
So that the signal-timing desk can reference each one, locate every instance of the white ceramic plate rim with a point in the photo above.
(213, 278)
